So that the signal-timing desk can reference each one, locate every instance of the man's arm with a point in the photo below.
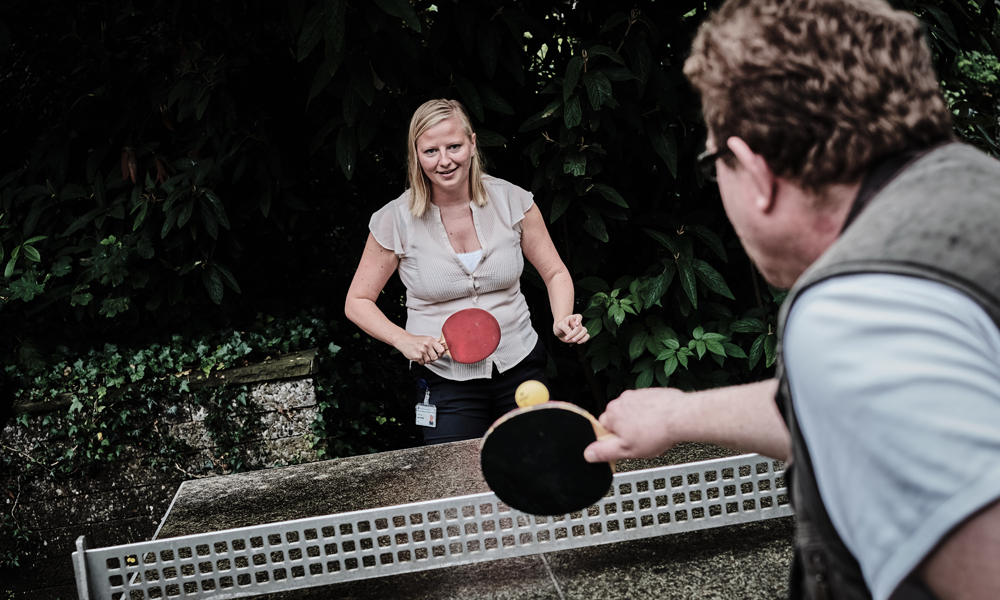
(649, 422)
(966, 565)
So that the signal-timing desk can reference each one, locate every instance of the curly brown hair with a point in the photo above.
(819, 88)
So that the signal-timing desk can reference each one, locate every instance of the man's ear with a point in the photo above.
(761, 177)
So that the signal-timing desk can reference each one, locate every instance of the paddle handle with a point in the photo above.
(442, 342)
(603, 434)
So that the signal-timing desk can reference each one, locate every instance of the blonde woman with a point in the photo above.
(458, 238)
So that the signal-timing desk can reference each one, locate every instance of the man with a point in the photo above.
(837, 168)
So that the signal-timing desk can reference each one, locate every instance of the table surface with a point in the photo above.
(738, 562)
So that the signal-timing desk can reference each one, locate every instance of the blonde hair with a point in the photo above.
(428, 115)
(819, 88)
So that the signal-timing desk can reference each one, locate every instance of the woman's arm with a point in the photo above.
(377, 265)
(538, 248)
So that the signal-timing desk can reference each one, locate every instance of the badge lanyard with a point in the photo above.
(426, 412)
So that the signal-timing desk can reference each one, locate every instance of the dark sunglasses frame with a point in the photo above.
(706, 162)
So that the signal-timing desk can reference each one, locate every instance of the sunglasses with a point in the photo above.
(706, 162)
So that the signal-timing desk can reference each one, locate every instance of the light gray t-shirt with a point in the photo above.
(896, 385)
(438, 283)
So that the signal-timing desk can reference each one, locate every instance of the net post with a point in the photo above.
(80, 568)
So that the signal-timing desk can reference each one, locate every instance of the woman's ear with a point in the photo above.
(760, 178)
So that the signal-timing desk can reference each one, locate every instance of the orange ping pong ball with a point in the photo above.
(530, 393)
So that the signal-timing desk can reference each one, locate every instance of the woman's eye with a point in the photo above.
(454, 146)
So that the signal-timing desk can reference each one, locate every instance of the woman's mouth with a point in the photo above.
(449, 172)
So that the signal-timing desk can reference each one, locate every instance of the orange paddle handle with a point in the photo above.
(603, 434)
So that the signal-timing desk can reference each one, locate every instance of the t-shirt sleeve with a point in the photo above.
(896, 387)
(387, 229)
(520, 201)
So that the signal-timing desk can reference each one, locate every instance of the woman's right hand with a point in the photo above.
(421, 349)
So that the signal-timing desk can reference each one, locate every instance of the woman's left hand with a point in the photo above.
(571, 330)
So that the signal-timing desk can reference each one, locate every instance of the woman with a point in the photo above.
(459, 238)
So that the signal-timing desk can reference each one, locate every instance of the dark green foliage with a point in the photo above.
(183, 167)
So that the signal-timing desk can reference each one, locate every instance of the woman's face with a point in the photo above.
(445, 154)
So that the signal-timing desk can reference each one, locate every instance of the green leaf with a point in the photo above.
(711, 278)
(573, 69)
(489, 46)
(217, 207)
(614, 20)
(644, 380)
(31, 254)
(598, 89)
(575, 164)
(321, 134)
(186, 210)
(312, 31)
(942, 17)
(604, 51)
(595, 226)
(593, 284)
(698, 332)
(664, 239)
(609, 193)
(572, 113)
(734, 350)
(594, 327)
(542, 117)
(665, 145)
(700, 346)
(324, 74)
(489, 139)
(688, 284)
(335, 25)
(494, 101)
(213, 283)
(559, 206)
(669, 366)
(771, 349)
(347, 151)
(711, 240)
(470, 96)
(618, 74)
(637, 345)
(227, 277)
(209, 220)
(402, 9)
(748, 326)
(715, 347)
(757, 349)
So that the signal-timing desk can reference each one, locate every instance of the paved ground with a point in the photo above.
(736, 562)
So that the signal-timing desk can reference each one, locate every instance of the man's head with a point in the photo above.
(818, 88)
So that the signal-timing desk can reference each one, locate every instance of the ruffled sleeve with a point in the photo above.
(388, 227)
(519, 200)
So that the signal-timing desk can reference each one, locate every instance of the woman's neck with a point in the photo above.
(450, 197)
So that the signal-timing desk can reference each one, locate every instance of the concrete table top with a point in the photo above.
(739, 562)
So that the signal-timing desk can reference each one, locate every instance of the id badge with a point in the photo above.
(427, 415)
(426, 412)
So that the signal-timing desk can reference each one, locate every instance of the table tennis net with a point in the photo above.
(378, 542)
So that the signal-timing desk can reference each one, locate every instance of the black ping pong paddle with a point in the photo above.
(532, 459)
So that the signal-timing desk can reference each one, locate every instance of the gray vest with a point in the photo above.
(938, 219)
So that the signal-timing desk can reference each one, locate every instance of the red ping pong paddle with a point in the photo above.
(532, 459)
(470, 335)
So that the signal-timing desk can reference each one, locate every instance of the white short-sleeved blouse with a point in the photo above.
(438, 284)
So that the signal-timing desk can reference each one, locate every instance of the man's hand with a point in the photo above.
(649, 422)
(642, 423)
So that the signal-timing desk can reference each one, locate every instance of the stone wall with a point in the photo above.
(126, 503)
